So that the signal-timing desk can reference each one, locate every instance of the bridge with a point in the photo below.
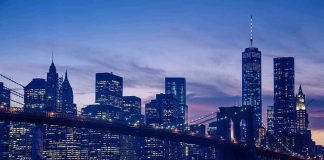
(225, 147)
(37, 117)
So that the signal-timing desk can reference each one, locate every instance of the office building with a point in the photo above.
(177, 87)
(251, 80)
(284, 96)
(109, 89)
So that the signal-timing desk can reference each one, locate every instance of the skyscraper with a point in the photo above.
(68, 107)
(177, 87)
(251, 80)
(109, 89)
(302, 115)
(61, 142)
(26, 139)
(52, 89)
(162, 112)
(131, 147)
(4, 125)
(98, 144)
(284, 96)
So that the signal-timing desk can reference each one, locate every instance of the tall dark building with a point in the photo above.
(251, 80)
(61, 142)
(52, 89)
(109, 89)
(177, 87)
(284, 95)
(68, 107)
(4, 125)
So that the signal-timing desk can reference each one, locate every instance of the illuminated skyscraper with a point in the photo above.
(162, 112)
(131, 147)
(26, 139)
(61, 142)
(284, 96)
(177, 87)
(302, 115)
(4, 125)
(97, 144)
(251, 80)
(109, 89)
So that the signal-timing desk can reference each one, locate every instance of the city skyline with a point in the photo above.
(221, 72)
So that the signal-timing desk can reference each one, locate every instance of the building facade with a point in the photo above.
(4, 125)
(302, 115)
(96, 144)
(177, 87)
(284, 96)
(109, 89)
(251, 82)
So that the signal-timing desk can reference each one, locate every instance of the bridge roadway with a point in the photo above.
(37, 117)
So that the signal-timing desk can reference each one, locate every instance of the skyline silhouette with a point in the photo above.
(190, 40)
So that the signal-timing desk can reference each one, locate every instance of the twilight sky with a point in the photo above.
(145, 41)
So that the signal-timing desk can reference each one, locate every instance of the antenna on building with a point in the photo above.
(251, 32)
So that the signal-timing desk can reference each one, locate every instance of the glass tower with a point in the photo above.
(251, 81)
(109, 89)
(284, 97)
(177, 87)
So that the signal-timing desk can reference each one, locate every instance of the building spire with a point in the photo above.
(300, 91)
(66, 74)
(251, 32)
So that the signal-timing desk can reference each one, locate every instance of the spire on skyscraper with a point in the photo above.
(66, 74)
(52, 67)
(300, 90)
(251, 32)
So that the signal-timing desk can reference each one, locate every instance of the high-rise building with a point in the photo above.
(4, 125)
(26, 139)
(52, 89)
(284, 96)
(131, 147)
(97, 144)
(61, 142)
(302, 115)
(68, 107)
(59, 94)
(251, 80)
(177, 87)
(162, 112)
(109, 89)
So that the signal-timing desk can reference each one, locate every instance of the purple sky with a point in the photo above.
(145, 41)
